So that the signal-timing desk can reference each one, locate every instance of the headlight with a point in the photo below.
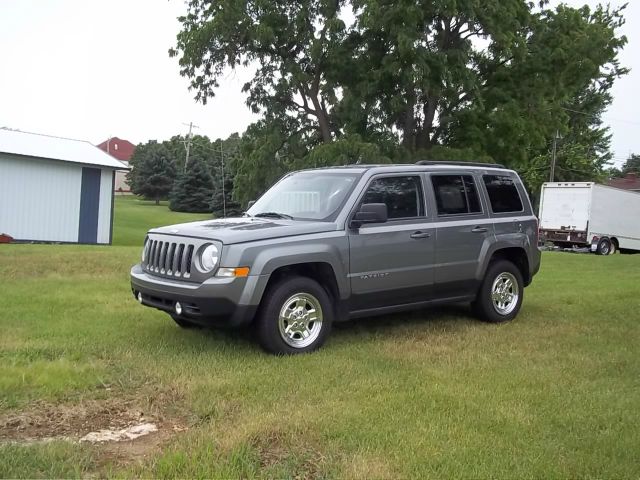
(145, 249)
(209, 258)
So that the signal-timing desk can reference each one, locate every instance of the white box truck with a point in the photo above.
(606, 219)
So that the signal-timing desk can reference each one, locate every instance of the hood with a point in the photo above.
(245, 229)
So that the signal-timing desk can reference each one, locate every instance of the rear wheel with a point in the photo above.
(500, 296)
(604, 247)
(295, 317)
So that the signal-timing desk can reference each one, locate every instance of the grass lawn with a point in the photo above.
(133, 217)
(433, 394)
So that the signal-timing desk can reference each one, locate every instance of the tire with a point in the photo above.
(604, 247)
(502, 279)
(182, 323)
(614, 247)
(287, 314)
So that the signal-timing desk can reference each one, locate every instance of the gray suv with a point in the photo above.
(332, 244)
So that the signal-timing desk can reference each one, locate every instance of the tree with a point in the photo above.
(224, 172)
(265, 154)
(632, 165)
(489, 79)
(289, 41)
(153, 171)
(193, 189)
(561, 85)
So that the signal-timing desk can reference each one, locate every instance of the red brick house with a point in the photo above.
(630, 182)
(122, 150)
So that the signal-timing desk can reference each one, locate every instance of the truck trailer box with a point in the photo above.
(587, 214)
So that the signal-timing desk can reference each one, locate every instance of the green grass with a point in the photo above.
(431, 394)
(133, 217)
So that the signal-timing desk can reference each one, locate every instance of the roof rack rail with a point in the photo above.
(464, 164)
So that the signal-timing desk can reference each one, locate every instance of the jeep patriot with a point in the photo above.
(331, 244)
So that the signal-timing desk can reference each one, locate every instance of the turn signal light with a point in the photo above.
(233, 272)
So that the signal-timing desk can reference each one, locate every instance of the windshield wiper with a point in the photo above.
(274, 215)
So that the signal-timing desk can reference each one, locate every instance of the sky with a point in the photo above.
(93, 69)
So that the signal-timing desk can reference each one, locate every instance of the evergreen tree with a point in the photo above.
(229, 206)
(632, 165)
(153, 171)
(193, 189)
(224, 159)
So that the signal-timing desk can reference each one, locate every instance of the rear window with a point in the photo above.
(503, 194)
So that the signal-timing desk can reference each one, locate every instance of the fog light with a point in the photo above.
(140, 297)
(178, 308)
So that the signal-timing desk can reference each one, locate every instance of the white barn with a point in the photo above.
(55, 189)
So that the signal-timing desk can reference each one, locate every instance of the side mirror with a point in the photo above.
(251, 203)
(370, 213)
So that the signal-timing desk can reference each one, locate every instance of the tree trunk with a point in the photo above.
(424, 139)
(157, 201)
(408, 127)
(323, 120)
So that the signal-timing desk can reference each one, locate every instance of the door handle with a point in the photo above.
(420, 234)
(479, 230)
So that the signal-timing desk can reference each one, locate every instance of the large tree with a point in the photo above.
(153, 171)
(401, 79)
(291, 43)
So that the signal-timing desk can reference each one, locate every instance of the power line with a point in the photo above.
(599, 117)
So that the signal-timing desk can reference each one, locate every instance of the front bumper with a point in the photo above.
(215, 302)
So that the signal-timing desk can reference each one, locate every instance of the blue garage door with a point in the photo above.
(89, 205)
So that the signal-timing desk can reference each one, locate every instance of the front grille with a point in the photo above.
(170, 258)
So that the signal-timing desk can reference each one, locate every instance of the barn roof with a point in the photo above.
(55, 148)
(118, 148)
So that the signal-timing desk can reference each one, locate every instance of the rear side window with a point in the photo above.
(456, 194)
(402, 195)
(503, 194)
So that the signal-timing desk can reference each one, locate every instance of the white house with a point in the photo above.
(55, 189)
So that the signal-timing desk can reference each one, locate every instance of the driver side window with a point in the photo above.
(402, 195)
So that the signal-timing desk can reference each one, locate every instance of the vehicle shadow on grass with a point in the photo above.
(435, 320)
(449, 318)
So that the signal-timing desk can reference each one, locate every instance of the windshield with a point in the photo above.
(313, 195)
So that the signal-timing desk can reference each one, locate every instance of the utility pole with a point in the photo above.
(224, 199)
(187, 143)
(553, 156)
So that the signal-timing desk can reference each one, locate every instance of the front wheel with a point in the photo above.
(500, 296)
(604, 247)
(295, 317)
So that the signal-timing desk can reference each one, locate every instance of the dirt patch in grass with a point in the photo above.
(49, 421)
(44, 422)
